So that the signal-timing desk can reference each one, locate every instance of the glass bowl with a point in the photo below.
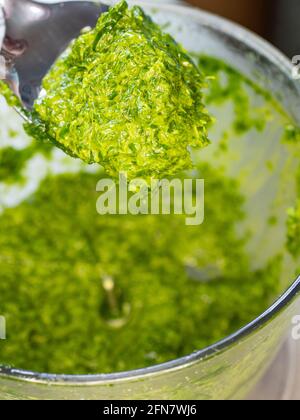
(229, 369)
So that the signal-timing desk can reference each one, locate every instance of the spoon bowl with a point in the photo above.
(35, 35)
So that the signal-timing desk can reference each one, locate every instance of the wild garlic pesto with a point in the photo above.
(125, 95)
(179, 289)
(293, 223)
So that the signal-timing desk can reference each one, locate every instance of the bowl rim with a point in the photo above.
(257, 43)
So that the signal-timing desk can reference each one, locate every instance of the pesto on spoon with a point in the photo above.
(125, 95)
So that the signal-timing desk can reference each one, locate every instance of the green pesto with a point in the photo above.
(9, 96)
(236, 90)
(293, 224)
(246, 118)
(293, 229)
(126, 96)
(12, 164)
(292, 134)
(13, 161)
(179, 289)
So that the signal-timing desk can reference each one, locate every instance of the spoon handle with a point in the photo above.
(36, 34)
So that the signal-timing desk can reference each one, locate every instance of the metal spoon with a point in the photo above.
(34, 36)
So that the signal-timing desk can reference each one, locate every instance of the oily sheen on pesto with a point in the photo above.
(125, 95)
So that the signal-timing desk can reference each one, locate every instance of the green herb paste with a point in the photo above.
(126, 96)
(176, 289)
(293, 223)
(13, 161)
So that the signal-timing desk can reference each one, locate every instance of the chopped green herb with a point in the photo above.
(177, 289)
(292, 133)
(293, 230)
(126, 96)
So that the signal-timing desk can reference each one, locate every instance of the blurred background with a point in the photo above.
(276, 20)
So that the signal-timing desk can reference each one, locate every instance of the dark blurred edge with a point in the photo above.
(276, 20)
(285, 30)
